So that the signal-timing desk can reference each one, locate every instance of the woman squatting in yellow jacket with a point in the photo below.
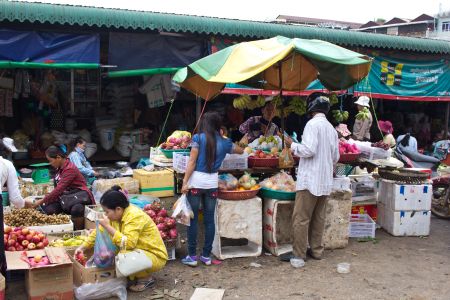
(122, 219)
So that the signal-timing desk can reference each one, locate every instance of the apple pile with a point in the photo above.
(228, 182)
(178, 140)
(280, 182)
(262, 154)
(38, 261)
(166, 225)
(346, 148)
(23, 238)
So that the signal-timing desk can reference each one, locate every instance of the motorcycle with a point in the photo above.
(440, 202)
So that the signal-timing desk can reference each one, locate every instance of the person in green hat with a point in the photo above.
(68, 180)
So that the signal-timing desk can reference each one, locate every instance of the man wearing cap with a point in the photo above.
(361, 128)
(318, 152)
(256, 126)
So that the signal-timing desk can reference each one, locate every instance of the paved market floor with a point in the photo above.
(392, 268)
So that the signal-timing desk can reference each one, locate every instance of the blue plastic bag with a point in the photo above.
(104, 249)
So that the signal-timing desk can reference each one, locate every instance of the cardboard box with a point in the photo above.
(157, 183)
(54, 281)
(82, 275)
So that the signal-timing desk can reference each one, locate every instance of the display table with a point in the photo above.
(238, 228)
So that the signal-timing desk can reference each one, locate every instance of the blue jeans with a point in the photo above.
(208, 199)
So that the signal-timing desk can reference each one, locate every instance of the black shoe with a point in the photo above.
(310, 254)
(286, 257)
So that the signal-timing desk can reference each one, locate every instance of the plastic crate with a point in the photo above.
(361, 226)
(235, 162)
(180, 161)
(344, 170)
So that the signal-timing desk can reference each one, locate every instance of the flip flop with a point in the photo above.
(216, 262)
(146, 285)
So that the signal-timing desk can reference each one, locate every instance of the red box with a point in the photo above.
(369, 209)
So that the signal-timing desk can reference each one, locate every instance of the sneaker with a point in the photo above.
(189, 261)
(205, 260)
(297, 262)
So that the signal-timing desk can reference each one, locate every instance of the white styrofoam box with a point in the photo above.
(238, 220)
(235, 162)
(405, 196)
(341, 183)
(277, 226)
(404, 223)
(180, 161)
(338, 209)
(54, 228)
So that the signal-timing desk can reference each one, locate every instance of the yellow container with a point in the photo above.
(157, 184)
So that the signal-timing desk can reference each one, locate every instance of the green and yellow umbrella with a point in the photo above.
(277, 63)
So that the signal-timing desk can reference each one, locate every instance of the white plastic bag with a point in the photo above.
(116, 287)
(182, 211)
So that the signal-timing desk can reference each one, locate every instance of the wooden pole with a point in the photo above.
(447, 111)
(280, 82)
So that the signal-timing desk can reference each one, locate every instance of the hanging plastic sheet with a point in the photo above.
(48, 47)
(131, 51)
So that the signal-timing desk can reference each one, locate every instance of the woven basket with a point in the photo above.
(404, 176)
(254, 162)
(237, 195)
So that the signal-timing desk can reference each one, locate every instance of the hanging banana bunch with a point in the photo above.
(246, 102)
(339, 115)
(363, 114)
(333, 99)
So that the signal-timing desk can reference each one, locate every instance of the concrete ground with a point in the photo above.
(392, 268)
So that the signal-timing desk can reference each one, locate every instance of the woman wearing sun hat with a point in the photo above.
(387, 130)
(361, 128)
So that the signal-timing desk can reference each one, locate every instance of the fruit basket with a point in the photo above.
(169, 153)
(238, 195)
(254, 162)
(279, 195)
(346, 158)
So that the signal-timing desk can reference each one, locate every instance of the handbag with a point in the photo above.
(132, 262)
(70, 198)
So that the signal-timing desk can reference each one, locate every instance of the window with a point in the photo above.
(446, 26)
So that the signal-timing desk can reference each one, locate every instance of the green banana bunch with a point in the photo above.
(363, 114)
(246, 102)
(333, 99)
(340, 116)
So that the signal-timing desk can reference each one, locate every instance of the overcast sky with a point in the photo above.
(360, 11)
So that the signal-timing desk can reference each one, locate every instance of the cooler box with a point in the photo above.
(404, 223)
(157, 183)
(405, 196)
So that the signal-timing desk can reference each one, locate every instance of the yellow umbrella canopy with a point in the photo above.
(277, 63)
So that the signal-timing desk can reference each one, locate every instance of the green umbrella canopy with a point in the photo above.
(256, 64)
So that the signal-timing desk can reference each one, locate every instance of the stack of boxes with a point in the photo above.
(404, 209)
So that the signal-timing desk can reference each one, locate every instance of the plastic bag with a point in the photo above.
(286, 160)
(116, 287)
(228, 182)
(104, 249)
(182, 211)
(280, 182)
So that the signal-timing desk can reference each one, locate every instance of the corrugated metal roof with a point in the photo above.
(128, 19)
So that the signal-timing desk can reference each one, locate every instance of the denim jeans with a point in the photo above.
(208, 199)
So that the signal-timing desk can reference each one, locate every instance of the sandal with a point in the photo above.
(146, 284)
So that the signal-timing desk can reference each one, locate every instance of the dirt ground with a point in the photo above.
(392, 268)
